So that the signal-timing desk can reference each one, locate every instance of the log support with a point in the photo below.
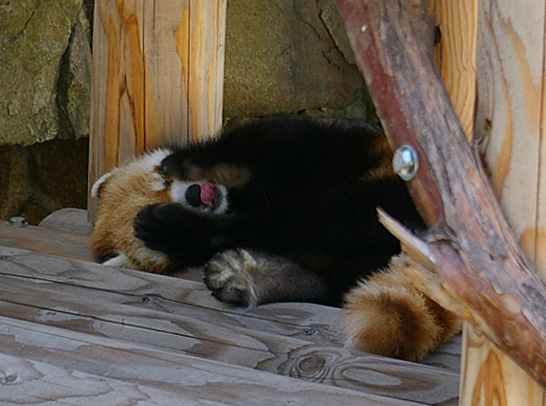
(469, 261)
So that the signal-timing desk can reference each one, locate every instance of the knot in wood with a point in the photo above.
(311, 364)
(6, 380)
(310, 331)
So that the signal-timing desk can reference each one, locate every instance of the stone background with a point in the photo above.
(282, 56)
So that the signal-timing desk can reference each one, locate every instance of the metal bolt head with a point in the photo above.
(406, 162)
(17, 222)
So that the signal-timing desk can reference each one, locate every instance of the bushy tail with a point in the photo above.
(386, 315)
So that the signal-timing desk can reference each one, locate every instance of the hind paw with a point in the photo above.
(230, 276)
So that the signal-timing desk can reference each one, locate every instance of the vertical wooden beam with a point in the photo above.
(509, 121)
(158, 68)
(511, 91)
(490, 378)
(456, 55)
(510, 111)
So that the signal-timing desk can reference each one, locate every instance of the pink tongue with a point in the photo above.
(208, 194)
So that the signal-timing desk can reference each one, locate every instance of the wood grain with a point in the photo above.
(166, 371)
(509, 130)
(492, 378)
(317, 324)
(34, 300)
(150, 291)
(207, 334)
(29, 382)
(510, 113)
(69, 220)
(510, 70)
(157, 77)
(456, 55)
(46, 241)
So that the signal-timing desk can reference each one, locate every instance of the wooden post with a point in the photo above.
(456, 55)
(510, 115)
(158, 68)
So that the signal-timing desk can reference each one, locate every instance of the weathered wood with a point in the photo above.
(510, 156)
(68, 220)
(157, 77)
(28, 382)
(150, 291)
(66, 233)
(305, 321)
(46, 241)
(237, 346)
(489, 375)
(167, 371)
(476, 257)
(209, 334)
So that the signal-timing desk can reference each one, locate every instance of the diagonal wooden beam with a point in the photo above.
(476, 258)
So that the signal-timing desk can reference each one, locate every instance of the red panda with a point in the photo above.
(282, 209)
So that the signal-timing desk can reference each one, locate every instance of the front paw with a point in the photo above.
(230, 276)
(153, 225)
(187, 237)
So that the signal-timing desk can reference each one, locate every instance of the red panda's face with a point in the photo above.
(123, 192)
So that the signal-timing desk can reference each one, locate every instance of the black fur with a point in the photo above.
(308, 198)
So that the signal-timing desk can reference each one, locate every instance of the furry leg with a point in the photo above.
(249, 278)
(386, 315)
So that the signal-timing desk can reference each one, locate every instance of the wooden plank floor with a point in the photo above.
(73, 332)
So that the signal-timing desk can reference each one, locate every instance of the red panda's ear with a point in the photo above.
(98, 186)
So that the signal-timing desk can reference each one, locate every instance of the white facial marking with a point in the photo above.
(150, 161)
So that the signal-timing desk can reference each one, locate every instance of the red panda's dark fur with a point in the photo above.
(298, 223)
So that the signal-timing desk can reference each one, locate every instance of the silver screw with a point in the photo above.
(17, 222)
(406, 162)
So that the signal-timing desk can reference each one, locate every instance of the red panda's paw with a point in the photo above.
(386, 315)
(230, 277)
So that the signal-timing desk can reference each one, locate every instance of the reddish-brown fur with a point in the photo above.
(386, 315)
(121, 195)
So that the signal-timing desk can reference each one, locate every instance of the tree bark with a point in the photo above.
(469, 261)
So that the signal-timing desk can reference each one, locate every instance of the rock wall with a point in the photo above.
(281, 56)
(287, 56)
(44, 70)
(42, 178)
(45, 82)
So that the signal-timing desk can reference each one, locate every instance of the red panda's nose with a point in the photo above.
(193, 195)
